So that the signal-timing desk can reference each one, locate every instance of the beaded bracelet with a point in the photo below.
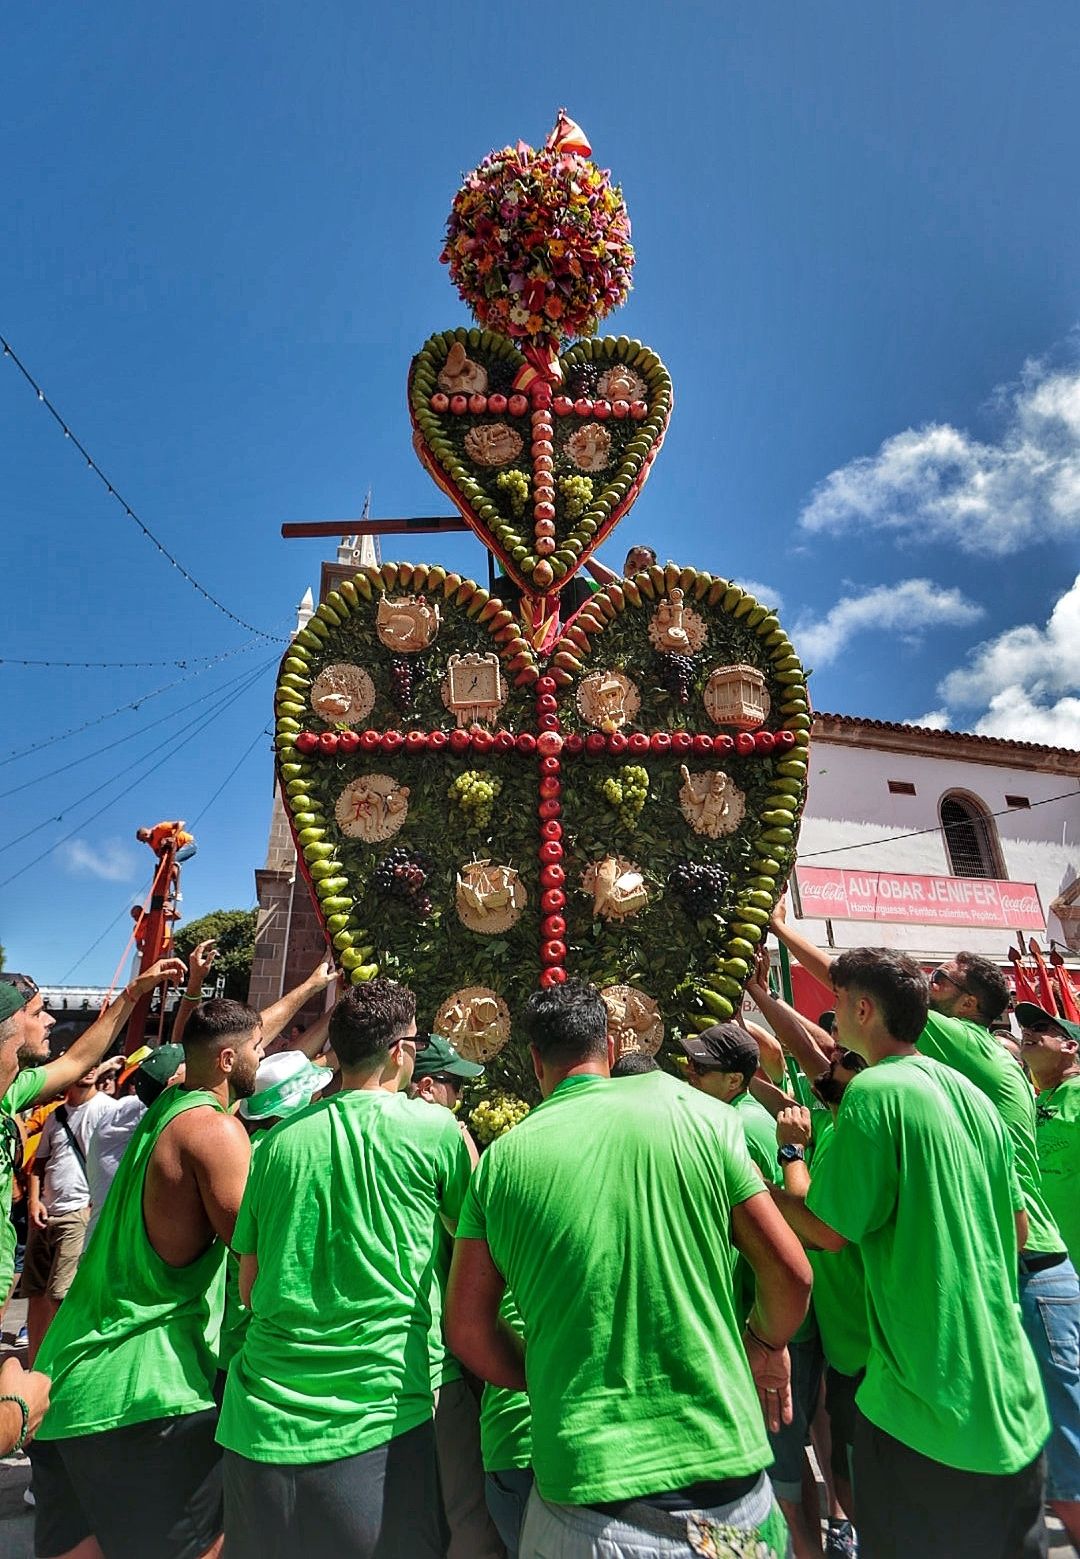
(24, 1433)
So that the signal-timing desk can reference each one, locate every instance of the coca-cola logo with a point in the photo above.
(1020, 904)
(828, 890)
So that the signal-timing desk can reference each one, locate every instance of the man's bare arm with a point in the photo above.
(812, 1231)
(249, 1271)
(282, 1011)
(788, 1026)
(313, 1039)
(773, 1098)
(782, 1283)
(199, 965)
(813, 960)
(217, 1150)
(474, 1331)
(89, 1048)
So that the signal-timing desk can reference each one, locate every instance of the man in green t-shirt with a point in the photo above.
(125, 1462)
(611, 1212)
(327, 1416)
(919, 1175)
(28, 1077)
(968, 993)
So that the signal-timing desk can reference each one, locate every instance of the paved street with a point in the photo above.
(17, 1521)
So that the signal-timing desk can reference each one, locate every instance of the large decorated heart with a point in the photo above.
(477, 825)
(542, 471)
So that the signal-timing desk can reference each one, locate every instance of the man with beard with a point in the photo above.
(126, 1455)
(28, 1077)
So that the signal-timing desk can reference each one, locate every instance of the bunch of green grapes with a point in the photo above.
(627, 793)
(577, 494)
(496, 1114)
(474, 791)
(516, 486)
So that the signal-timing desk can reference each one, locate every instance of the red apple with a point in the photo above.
(504, 741)
(744, 743)
(552, 926)
(785, 739)
(637, 742)
(482, 741)
(551, 830)
(369, 740)
(549, 763)
(616, 742)
(348, 741)
(306, 742)
(546, 685)
(459, 741)
(764, 741)
(328, 742)
(547, 704)
(390, 741)
(660, 741)
(703, 743)
(526, 742)
(549, 809)
(552, 952)
(552, 876)
(437, 740)
(550, 788)
(552, 976)
(595, 743)
(681, 741)
(723, 744)
(554, 899)
(573, 743)
(548, 722)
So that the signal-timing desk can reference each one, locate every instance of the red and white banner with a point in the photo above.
(839, 893)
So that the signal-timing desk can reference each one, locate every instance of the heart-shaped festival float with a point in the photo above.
(488, 797)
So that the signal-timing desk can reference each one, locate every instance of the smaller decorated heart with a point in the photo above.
(541, 470)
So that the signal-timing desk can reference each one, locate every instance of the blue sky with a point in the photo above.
(858, 238)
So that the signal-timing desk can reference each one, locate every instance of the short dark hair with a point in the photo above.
(890, 979)
(986, 983)
(633, 1064)
(641, 547)
(214, 1023)
(566, 1023)
(368, 1019)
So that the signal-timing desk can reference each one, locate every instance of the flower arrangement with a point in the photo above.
(538, 241)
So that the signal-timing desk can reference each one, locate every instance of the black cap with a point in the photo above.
(726, 1046)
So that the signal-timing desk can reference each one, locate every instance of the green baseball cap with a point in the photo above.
(161, 1063)
(439, 1055)
(1031, 1016)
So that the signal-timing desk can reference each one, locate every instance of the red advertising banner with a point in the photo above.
(839, 893)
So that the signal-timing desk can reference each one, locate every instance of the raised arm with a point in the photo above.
(313, 1039)
(89, 1048)
(475, 1332)
(787, 1025)
(813, 960)
(282, 1011)
(199, 965)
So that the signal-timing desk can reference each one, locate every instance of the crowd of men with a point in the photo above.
(312, 1319)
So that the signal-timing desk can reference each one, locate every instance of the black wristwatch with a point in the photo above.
(790, 1154)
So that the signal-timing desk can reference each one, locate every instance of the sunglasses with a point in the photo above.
(25, 986)
(851, 1061)
(940, 977)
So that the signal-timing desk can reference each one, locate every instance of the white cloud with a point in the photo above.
(906, 607)
(932, 720)
(938, 482)
(764, 593)
(1026, 681)
(110, 860)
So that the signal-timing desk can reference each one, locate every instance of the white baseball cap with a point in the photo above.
(284, 1084)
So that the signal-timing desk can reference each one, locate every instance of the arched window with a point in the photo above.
(970, 837)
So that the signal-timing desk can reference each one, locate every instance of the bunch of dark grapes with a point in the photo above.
(403, 874)
(677, 676)
(701, 888)
(402, 689)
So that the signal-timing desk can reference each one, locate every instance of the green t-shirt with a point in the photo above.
(20, 1096)
(444, 1367)
(759, 1132)
(919, 1175)
(505, 1417)
(974, 1052)
(839, 1284)
(342, 1210)
(608, 1211)
(1057, 1136)
(136, 1338)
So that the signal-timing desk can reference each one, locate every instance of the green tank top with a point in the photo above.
(135, 1339)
